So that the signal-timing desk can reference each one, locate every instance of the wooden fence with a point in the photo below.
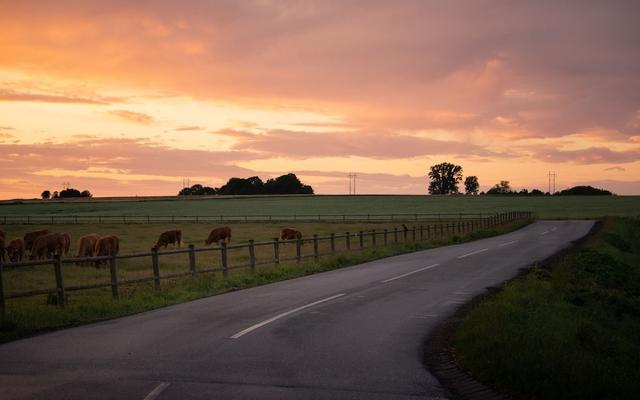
(150, 219)
(352, 241)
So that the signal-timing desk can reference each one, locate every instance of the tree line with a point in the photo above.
(444, 178)
(65, 194)
(284, 184)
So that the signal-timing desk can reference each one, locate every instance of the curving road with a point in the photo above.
(353, 333)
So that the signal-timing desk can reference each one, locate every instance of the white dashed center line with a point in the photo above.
(472, 253)
(410, 273)
(508, 243)
(544, 233)
(284, 314)
(156, 392)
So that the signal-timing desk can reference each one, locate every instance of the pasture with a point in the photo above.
(543, 207)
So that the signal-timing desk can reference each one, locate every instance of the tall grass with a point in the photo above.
(569, 332)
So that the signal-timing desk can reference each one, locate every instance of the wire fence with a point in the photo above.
(153, 219)
(224, 258)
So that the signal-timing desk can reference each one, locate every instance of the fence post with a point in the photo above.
(2, 304)
(315, 247)
(361, 239)
(348, 240)
(386, 234)
(428, 232)
(373, 237)
(421, 233)
(276, 251)
(405, 231)
(252, 256)
(299, 250)
(413, 233)
(395, 234)
(224, 259)
(441, 231)
(113, 267)
(333, 244)
(192, 259)
(156, 268)
(57, 264)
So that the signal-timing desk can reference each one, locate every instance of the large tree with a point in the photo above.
(471, 185)
(501, 188)
(444, 178)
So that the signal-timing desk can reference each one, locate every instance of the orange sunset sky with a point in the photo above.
(129, 98)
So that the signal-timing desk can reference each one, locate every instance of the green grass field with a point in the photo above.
(569, 332)
(543, 207)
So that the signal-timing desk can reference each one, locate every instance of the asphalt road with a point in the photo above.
(353, 333)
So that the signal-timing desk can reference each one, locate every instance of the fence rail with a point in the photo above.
(152, 219)
(353, 241)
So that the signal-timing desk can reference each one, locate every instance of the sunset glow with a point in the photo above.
(128, 98)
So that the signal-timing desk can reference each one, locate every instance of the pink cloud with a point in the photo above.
(132, 116)
(591, 155)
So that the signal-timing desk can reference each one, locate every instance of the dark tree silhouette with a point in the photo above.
(86, 193)
(536, 192)
(444, 178)
(46, 194)
(585, 191)
(242, 186)
(286, 184)
(56, 195)
(501, 188)
(471, 185)
(198, 190)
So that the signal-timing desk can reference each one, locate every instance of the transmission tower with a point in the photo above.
(552, 181)
(352, 183)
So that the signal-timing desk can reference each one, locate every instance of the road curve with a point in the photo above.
(353, 333)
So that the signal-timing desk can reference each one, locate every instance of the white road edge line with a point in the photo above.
(472, 253)
(544, 233)
(508, 243)
(156, 392)
(284, 314)
(409, 273)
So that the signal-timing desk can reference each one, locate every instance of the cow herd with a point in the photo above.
(44, 244)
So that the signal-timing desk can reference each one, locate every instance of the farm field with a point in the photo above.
(544, 207)
(30, 314)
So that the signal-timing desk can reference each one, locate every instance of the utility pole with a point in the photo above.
(552, 181)
(352, 183)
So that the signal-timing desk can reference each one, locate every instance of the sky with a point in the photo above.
(131, 98)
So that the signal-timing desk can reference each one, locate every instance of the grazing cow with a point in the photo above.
(106, 246)
(290, 234)
(169, 237)
(218, 234)
(3, 236)
(31, 237)
(15, 250)
(87, 245)
(45, 246)
(67, 243)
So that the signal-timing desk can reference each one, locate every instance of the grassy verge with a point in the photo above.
(27, 316)
(568, 331)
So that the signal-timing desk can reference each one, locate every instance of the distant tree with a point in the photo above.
(523, 192)
(286, 184)
(86, 193)
(500, 188)
(471, 185)
(585, 191)
(241, 186)
(56, 195)
(69, 193)
(46, 194)
(537, 192)
(197, 190)
(444, 178)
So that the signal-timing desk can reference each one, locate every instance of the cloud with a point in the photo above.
(384, 145)
(616, 169)
(132, 116)
(591, 155)
(189, 128)
(10, 95)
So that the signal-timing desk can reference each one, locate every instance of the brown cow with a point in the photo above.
(218, 234)
(45, 246)
(15, 250)
(67, 243)
(31, 237)
(290, 234)
(87, 245)
(106, 246)
(169, 237)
